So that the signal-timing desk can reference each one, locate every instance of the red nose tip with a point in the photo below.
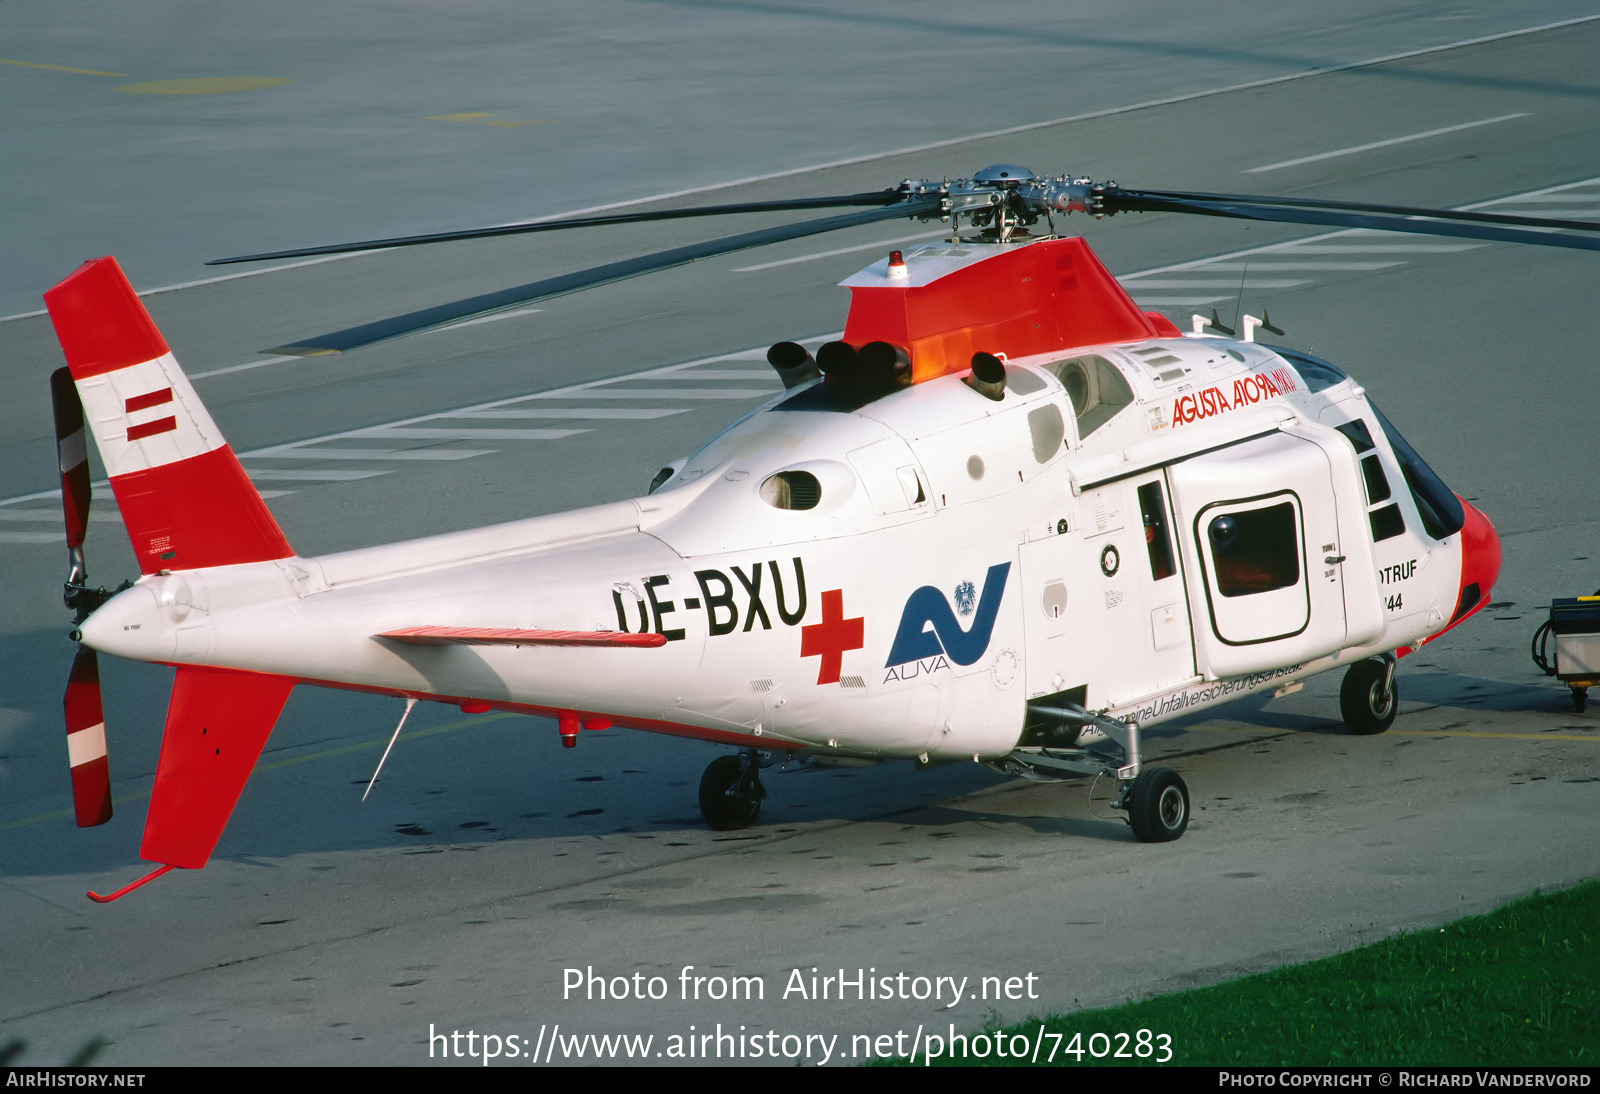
(1480, 563)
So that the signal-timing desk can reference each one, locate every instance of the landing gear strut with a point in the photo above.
(1369, 698)
(731, 791)
(1086, 742)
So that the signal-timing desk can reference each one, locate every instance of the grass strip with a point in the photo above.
(1518, 986)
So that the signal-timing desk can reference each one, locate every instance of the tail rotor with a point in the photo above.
(86, 729)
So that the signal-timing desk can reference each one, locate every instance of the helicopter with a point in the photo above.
(1007, 518)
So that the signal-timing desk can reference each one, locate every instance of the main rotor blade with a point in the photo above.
(1359, 206)
(881, 197)
(1243, 210)
(384, 329)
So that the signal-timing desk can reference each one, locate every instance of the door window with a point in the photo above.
(1253, 554)
(1255, 550)
(1156, 538)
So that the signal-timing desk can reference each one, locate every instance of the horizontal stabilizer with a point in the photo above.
(508, 636)
(217, 724)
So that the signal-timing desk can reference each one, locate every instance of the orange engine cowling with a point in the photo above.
(1019, 300)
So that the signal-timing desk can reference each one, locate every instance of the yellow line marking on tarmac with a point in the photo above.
(1423, 733)
(61, 68)
(210, 85)
(275, 765)
(375, 743)
(1479, 733)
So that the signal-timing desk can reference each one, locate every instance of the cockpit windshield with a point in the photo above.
(1318, 374)
(1441, 510)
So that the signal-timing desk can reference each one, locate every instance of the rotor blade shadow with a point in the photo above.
(384, 329)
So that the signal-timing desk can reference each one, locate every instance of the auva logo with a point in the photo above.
(927, 607)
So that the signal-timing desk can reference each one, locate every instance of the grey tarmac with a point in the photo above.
(488, 860)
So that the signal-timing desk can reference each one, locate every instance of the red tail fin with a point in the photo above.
(217, 723)
(184, 498)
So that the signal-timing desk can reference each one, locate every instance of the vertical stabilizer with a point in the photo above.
(185, 500)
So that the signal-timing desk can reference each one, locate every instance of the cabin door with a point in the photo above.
(1263, 554)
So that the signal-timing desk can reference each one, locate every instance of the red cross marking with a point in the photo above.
(832, 637)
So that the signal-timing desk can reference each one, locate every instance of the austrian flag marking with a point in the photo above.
(1247, 391)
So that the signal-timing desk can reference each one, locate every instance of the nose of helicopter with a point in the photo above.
(1480, 563)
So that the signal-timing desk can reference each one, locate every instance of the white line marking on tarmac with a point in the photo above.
(293, 452)
(664, 393)
(919, 237)
(275, 474)
(425, 434)
(1383, 144)
(32, 537)
(1371, 249)
(248, 365)
(1249, 283)
(629, 413)
(1328, 267)
(1547, 199)
(764, 373)
(1553, 214)
(1174, 301)
(101, 492)
(54, 515)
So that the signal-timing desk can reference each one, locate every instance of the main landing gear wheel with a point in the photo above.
(731, 792)
(1158, 805)
(1369, 698)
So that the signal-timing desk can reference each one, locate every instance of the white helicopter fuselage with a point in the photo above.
(963, 557)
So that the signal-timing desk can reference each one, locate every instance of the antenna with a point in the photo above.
(1238, 303)
(411, 701)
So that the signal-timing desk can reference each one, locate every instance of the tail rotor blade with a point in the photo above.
(86, 742)
(72, 454)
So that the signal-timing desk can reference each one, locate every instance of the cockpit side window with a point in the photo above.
(1096, 388)
(1440, 509)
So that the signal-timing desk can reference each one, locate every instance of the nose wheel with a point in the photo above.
(731, 792)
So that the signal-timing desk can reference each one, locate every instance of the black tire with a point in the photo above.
(1580, 699)
(1366, 709)
(722, 803)
(1158, 807)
